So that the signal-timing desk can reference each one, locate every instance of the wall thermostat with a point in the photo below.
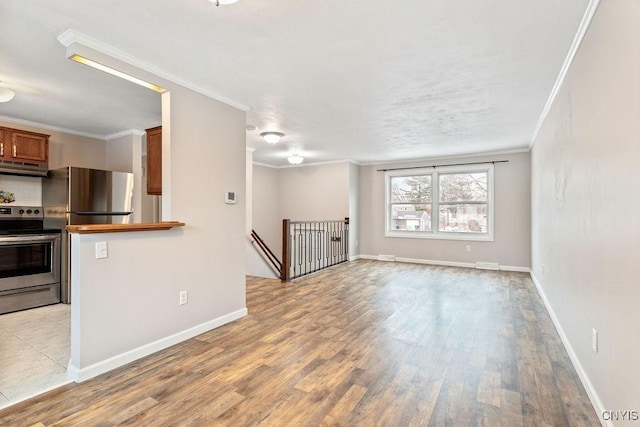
(230, 197)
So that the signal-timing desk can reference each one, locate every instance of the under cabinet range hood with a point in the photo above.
(19, 168)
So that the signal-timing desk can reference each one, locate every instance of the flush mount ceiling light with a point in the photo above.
(6, 95)
(223, 2)
(272, 137)
(295, 159)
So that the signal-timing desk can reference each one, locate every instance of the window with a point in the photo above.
(442, 203)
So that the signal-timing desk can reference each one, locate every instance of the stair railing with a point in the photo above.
(310, 246)
(268, 254)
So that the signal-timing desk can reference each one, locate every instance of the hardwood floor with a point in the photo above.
(364, 343)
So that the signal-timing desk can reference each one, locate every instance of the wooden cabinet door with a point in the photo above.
(24, 146)
(154, 161)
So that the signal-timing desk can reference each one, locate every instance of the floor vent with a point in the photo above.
(386, 257)
(487, 266)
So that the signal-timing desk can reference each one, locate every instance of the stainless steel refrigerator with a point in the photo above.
(74, 196)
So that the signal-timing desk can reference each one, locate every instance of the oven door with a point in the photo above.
(29, 260)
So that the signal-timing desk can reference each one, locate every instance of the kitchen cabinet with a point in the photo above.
(154, 161)
(24, 146)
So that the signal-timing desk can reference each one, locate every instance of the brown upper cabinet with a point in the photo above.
(24, 146)
(154, 161)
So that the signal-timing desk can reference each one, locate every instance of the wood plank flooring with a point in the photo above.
(361, 344)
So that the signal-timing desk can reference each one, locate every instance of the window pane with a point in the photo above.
(411, 217)
(411, 189)
(463, 187)
(461, 218)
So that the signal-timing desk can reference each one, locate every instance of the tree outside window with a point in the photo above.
(447, 203)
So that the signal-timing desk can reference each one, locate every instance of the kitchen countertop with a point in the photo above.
(123, 228)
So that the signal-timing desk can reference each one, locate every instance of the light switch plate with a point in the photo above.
(101, 250)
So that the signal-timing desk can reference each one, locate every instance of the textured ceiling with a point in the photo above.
(365, 80)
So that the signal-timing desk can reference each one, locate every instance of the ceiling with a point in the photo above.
(365, 80)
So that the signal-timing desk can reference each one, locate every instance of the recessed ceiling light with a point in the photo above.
(272, 137)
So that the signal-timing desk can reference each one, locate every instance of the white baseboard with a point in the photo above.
(355, 257)
(515, 268)
(436, 262)
(584, 378)
(446, 263)
(82, 374)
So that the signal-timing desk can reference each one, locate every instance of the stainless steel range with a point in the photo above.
(29, 260)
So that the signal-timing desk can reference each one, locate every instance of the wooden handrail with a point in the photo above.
(275, 262)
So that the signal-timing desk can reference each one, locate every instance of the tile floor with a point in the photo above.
(34, 351)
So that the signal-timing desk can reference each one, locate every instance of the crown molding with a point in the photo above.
(329, 162)
(265, 165)
(51, 127)
(134, 132)
(71, 36)
(573, 50)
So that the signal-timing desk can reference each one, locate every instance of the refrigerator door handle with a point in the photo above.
(94, 213)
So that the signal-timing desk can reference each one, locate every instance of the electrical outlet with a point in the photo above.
(184, 297)
(468, 248)
(594, 340)
(101, 250)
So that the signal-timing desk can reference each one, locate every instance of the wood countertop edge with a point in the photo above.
(123, 228)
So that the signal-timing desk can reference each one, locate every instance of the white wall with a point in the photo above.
(126, 305)
(512, 244)
(266, 207)
(314, 192)
(263, 218)
(586, 233)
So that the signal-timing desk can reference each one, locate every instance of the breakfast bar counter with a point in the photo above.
(123, 228)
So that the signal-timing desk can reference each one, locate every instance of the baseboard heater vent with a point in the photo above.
(386, 258)
(487, 266)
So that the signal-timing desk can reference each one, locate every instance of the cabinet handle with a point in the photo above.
(15, 151)
(1, 149)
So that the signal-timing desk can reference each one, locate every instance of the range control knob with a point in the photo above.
(28, 211)
(21, 211)
(37, 211)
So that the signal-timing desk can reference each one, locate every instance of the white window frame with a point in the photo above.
(435, 201)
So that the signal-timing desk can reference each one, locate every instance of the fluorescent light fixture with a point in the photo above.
(295, 159)
(272, 137)
(114, 72)
(6, 95)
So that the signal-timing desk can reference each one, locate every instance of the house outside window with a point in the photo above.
(440, 203)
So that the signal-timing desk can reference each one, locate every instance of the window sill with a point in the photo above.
(440, 236)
